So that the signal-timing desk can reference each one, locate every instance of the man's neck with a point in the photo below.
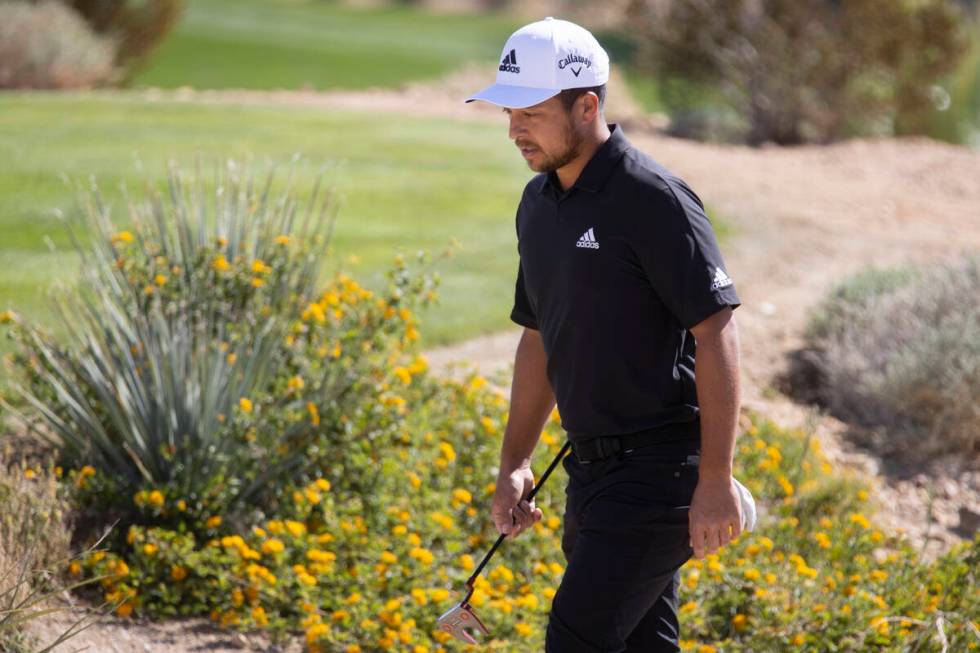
(569, 173)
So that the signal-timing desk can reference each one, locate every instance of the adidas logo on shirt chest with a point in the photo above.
(588, 240)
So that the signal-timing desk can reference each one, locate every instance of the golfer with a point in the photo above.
(622, 293)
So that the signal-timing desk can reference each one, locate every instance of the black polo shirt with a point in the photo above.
(613, 272)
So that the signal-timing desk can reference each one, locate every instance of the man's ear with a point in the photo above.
(590, 106)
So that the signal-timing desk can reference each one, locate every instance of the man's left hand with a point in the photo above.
(715, 516)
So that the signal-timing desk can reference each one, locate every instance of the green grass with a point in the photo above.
(404, 184)
(265, 44)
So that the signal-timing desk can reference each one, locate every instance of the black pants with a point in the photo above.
(625, 537)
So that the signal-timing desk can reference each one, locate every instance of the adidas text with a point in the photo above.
(722, 280)
(509, 64)
(588, 240)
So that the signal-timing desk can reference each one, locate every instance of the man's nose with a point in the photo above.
(516, 127)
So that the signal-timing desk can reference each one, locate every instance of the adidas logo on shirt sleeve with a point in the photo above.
(721, 280)
(588, 240)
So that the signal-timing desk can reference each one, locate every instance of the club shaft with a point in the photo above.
(534, 490)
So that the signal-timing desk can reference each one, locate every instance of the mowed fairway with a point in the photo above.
(405, 183)
(266, 44)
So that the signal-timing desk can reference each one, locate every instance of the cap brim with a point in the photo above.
(514, 97)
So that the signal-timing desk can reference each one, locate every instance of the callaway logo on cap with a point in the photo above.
(541, 60)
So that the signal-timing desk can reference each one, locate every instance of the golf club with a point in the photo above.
(459, 617)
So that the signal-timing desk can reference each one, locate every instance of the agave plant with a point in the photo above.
(175, 325)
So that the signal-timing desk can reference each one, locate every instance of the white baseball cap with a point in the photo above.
(541, 60)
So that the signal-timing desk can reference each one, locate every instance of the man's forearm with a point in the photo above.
(531, 401)
(719, 396)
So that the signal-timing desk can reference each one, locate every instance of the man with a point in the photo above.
(621, 291)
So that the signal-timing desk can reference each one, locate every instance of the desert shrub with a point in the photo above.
(814, 71)
(900, 349)
(372, 535)
(34, 548)
(137, 26)
(48, 45)
(815, 574)
(203, 362)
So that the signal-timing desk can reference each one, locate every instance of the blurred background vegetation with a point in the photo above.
(749, 70)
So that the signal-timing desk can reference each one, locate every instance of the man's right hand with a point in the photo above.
(511, 513)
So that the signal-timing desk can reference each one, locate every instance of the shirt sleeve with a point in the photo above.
(679, 254)
(522, 313)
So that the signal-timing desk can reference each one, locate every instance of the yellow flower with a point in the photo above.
(160, 279)
(707, 648)
(273, 545)
(295, 528)
(798, 639)
(314, 413)
(156, 498)
(259, 616)
(220, 263)
(7, 316)
(786, 485)
(258, 267)
(213, 522)
(29, 473)
(422, 555)
(122, 236)
(751, 574)
(181, 505)
(125, 609)
(388, 557)
(488, 425)
(296, 383)
(281, 240)
(149, 549)
(523, 629)
(178, 573)
(245, 404)
(860, 520)
(444, 521)
(690, 606)
(447, 451)
(257, 282)
(414, 480)
(403, 374)
(739, 621)
(75, 569)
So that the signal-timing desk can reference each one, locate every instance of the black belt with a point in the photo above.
(600, 448)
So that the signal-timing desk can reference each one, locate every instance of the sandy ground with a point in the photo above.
(804, 217)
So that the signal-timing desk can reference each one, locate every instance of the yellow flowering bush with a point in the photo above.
(341, 491)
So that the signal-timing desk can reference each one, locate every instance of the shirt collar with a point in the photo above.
(599, 167)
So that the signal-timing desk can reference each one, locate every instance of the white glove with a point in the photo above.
(748, 506)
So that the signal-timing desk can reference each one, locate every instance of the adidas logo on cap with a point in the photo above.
(509, 64)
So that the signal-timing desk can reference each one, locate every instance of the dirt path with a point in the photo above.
(804, 217)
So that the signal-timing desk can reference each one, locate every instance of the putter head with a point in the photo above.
(457, 619)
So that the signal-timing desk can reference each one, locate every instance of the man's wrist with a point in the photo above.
(510, 464)
(714, 472)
